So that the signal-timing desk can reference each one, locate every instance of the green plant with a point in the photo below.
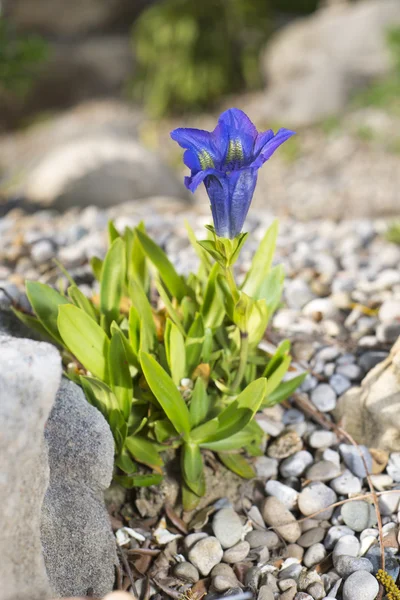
(20, 59)
(393, 232)
(160, 355)
(190, 54)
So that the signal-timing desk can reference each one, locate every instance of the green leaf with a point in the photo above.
(131, 355)
(166, 393)
(80, 300)
(173, 282)
(134, 330)
(284, 390)
(113, 232)
(238, 464)
(85, 339)
(144, 452)
(203, 432)
(213, 308)
(194, 343)
(32, 323)
(138, 480)
(112, 280)
(45, 302)
(119, 428)
(258, 322)
(192, 468)
(125, 463)
(243, 438)
(203, 256)
(176, 354)
(172, 313)
(271, 288)
(164, 430)
(261, 263)
(281, 352)
(97, 267)
(148, 334)
(99, 395)
(190, 500)
(120, 377)
(199, 404)
(277, 376)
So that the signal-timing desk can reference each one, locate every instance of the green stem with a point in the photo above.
(232, 284)
(244, 351)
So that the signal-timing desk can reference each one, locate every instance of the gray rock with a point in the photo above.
(324, 470)
(369, 360)
(324, 397)
(266, 467)
(236, 553)
(387, 333)
(191, 539)
(315, 497)
(42, 251)
(222, 583)
(316, 590)
(257, 538)
(322, 439)
(352, 459)
(340, 383)
(295, 465)
(265, 593)
(187, 572)
(12, 326)
(78, 544)
(30, 374)
(309, 383)
(346, 484)
(389, 504)
(285, 494)
(346, 565)
(205, 554)
(389, 311)
(278, 516)
(347, 545)
(352, 372)
(358, 515)
(227, 527)
(311, 537)
(314, 554)
(297, 293)
(360, 586)
(285, 445)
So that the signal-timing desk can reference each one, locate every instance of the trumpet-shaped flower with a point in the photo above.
(227, 161)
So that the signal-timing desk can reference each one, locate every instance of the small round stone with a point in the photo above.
(346, 484)
(266, 467)
(346, 565)
(314, 554)
(324, 397)
(347, 545)
(352, 371)
(265, 593)
(316, 590)
(339, 383)
(187, 572)
(324, 470)
(311, 537)
(277, 515)
(223, 569)
(295, 551)
(205, 554)
(227, 527)
(360, 586)
(221, 583)
(353, 461)
(295, 465)
(285, 494)
(236, 553)
(192, 538)
(258, 538)
(335, 533)
(358, 515)
(286, 444)
(322, 439)
(315, 497)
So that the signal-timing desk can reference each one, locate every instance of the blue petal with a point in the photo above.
(261, 140)
(218, 192)
(239, 135)
(193, 182)
(199, 142)
(241, 189)
(270, 146)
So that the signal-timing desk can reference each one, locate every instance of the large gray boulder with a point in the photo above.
(371, 412)
(29, 377)
(313, 66)
(78, 544)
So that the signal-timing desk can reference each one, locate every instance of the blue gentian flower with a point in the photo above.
(227, 160)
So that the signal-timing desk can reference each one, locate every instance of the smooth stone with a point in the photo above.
(292, 571)
(320, 306)
(266, 467)
(285, 445)
(353, 461)
(285, 494)
(265, 593)
(286, 584)
(346, 565)
(295, 551)
(223, 569)
(30, 374)
(293, 416)
(389, 504)
(322, 439)
(323, 470)
(316, 590)
(205, 554)
(335, 533)
(236, 553)
(192, 538)
(315, 497)
(369, 360)
(187, 572)
(352, 372)
(221, 583)
(324, 397)
(288, 594)
(310, 382)
(340, 383)
(389, 311)
(332, 455)
(303, 596)
(346, 484)
(360, 586)
(358, 515)
(277, 515)
(311, 537)
(295, 465)
(347, 545)
(314, 555)
(297, 293)
(227, 527)
(257, 538)
(81, 460)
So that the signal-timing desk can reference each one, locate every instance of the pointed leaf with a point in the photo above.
(81, 301)
(261, 263)
(284, 390)
(176, 354)
(194, 343)
(138, 480)
(120, 377)
(148, 333)
(192, 468)
(45, 302)
(97, 267)
(213, 309)
(199, 404)
(144, 452)
(112, 281)
(238, 464)
(85, 339)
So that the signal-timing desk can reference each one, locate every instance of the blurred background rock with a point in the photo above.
(89, 90)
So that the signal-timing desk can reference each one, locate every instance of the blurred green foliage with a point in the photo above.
(190, 54)
(393, 232)
(385, 93)
(20, 59)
